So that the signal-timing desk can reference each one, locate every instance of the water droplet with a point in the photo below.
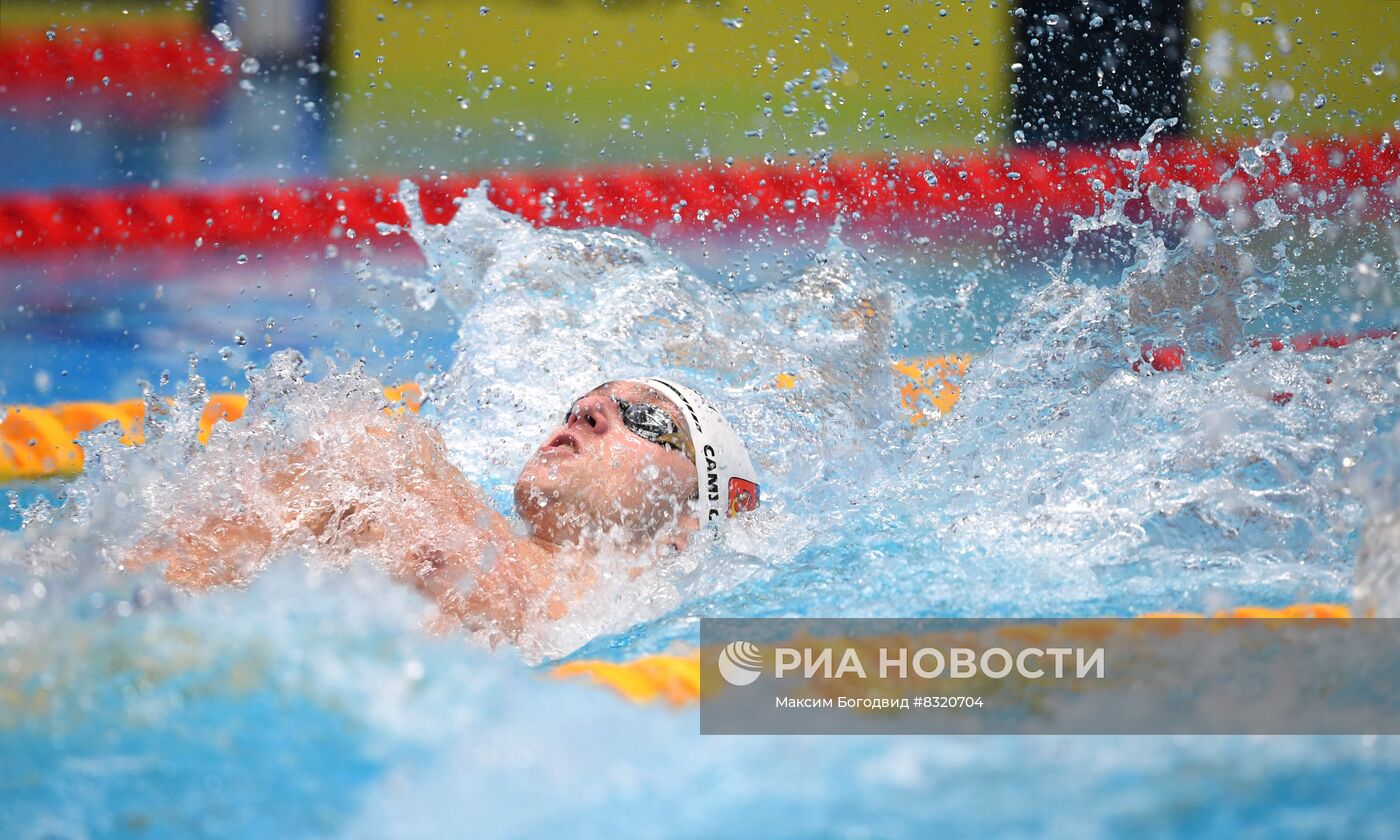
(239, 338)
(1251, 162)
(1217, 85)
(250, 65)
(1095, 22)
(222, 32)
(625, 123)
(733, 23)
(1269, 213)
(1378, 68)
(75, 126)
(242, 259)
(484, 11)
(51, 34)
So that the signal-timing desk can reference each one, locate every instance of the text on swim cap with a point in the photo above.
(712, 479)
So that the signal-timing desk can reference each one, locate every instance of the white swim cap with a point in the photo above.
(725, 476)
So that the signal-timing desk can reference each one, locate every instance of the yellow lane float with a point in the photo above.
(42, 441)
(675, 678)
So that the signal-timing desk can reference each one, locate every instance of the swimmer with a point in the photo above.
(635, 467)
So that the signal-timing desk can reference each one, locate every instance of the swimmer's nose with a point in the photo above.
(591, 413)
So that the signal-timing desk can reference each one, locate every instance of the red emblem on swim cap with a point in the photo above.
(743, 495)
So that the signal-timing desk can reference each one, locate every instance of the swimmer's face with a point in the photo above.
(594, 474)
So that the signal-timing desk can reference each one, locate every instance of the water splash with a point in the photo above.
(547, 314)
(1064, 483)
(542, 316)
(1378, 560)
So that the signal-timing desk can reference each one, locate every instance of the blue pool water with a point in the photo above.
(314, 704)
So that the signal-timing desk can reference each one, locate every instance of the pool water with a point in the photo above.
(313, 703)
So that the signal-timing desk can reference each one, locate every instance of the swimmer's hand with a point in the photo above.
(222, 551)
(230, 549)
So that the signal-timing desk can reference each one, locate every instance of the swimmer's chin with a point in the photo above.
(553, 518)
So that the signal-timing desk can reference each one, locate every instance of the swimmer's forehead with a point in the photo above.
(636, 392)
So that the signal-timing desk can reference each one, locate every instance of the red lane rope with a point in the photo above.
(1170, 357)
(1035, 190)
(129, 70)
(1173, 356)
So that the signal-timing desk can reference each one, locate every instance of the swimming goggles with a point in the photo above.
(649, 422)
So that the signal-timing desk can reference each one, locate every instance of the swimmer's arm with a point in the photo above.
(480, 574)
(428, 525)
(415, 512)
(222, 550)
(212, 548)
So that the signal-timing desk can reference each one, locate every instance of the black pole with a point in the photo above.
(1091, 70)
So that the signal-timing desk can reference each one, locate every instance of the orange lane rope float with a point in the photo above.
(675, 678)
(928, 385)
(42, 441)
(931, 383)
